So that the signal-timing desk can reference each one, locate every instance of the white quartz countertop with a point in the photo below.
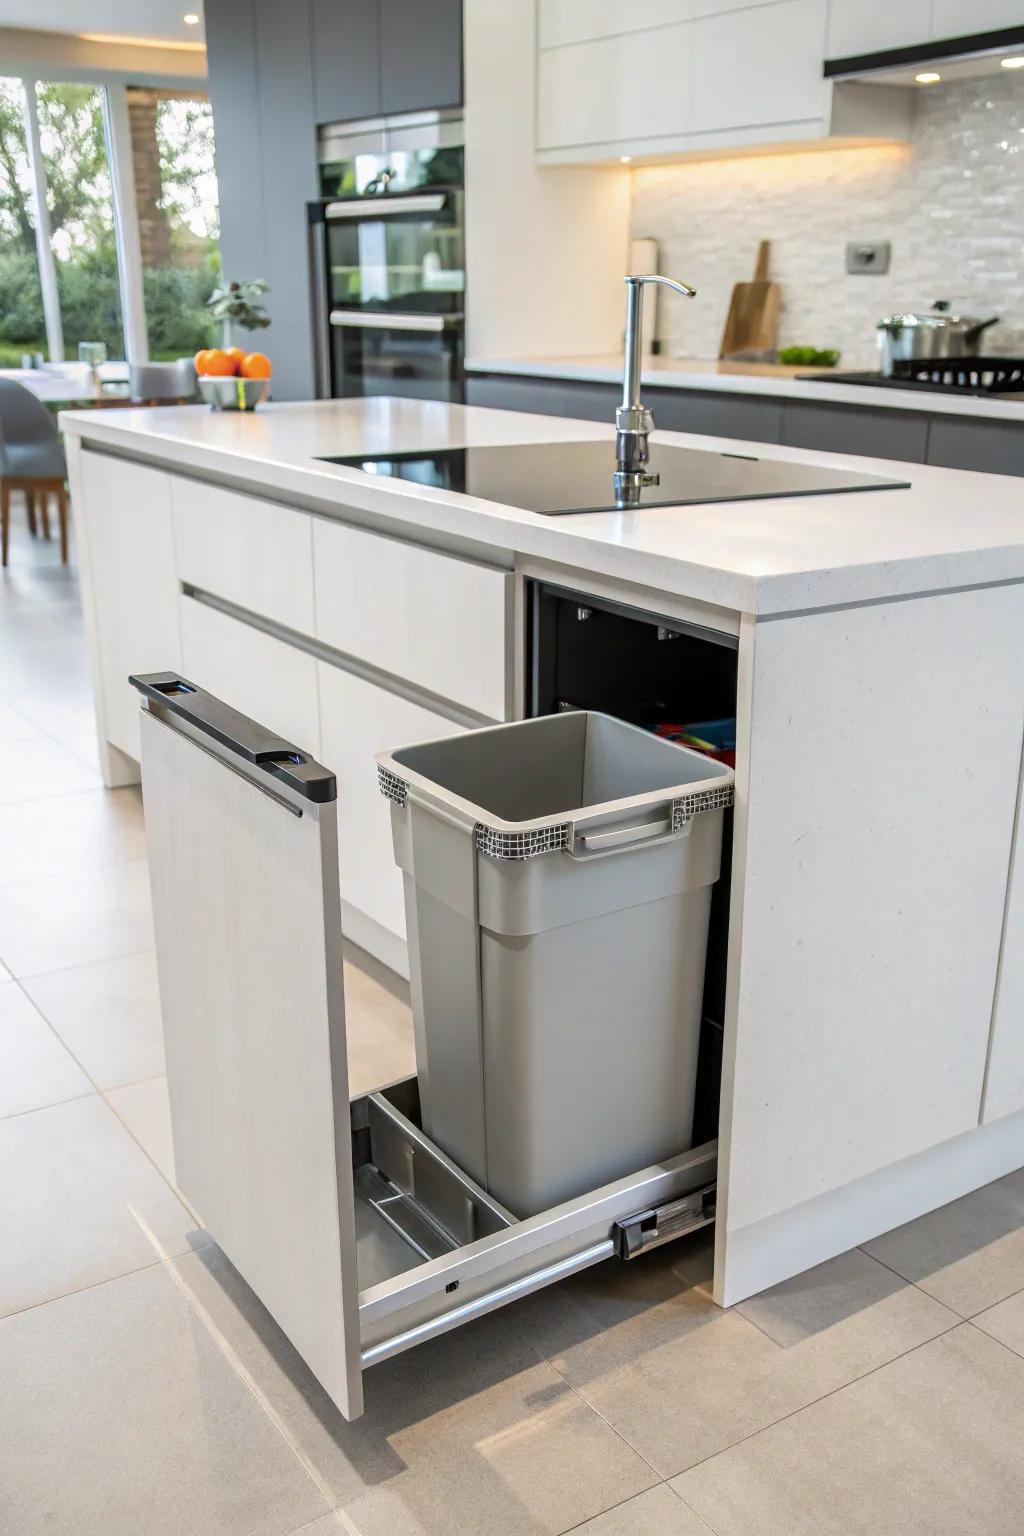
(950, 529)
(753, 379)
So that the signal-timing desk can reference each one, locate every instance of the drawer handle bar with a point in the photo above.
(243, 737)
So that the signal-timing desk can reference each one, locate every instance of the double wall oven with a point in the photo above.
(388, 243)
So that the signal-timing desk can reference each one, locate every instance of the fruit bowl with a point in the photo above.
(232, 393)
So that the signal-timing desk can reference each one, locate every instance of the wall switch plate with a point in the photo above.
(870, 256)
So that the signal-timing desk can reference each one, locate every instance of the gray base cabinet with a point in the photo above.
(997, 447)
(874, 433)
(913, 437)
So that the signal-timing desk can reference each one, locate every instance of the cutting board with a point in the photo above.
(752, 324)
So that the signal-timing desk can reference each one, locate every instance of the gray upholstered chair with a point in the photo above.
(32, 461)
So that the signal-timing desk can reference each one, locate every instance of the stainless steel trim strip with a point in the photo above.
(402, 689)
(378, 320)
(488, 1302)
(383, 207)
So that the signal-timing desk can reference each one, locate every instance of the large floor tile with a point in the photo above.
(681, 1380)
(378, 1027)
(76, 1197)
(35, 1069)
(49, 684)
(969, 1254)
(108, 1015)
(929, 1445)
(468, 1435)
(145, 1110)
(37, 767)
(123, 1418)
(67, 833)
(1005, 1322)
(15, 726)
(658, 1512)
(65, 920)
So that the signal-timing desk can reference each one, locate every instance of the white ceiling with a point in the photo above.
(148, 21)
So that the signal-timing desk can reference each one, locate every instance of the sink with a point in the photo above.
(559, 479)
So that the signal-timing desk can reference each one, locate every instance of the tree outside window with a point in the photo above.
(176, 197)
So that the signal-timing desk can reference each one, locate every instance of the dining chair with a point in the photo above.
(32, 461)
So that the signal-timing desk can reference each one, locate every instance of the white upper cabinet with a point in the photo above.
(869, 26)
(691, 77)
(581, 99)
(954, 18)
(760, 66)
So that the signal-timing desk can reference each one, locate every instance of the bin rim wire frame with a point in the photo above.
(515, 841)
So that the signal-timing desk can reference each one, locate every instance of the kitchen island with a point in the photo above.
(873, 1052)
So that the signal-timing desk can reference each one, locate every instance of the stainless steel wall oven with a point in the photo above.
(388, 250)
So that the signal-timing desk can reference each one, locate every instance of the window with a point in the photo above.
(22, 326)
(80, 202)
(176, 200)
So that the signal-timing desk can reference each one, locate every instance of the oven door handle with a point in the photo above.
(382, 320)
(386, 207)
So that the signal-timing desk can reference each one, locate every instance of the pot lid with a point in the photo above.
(939, 317)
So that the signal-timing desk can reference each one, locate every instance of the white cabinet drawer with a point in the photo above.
(431, 619)
(271, 682)
(252, 552)
(133, 590)
(358, 720)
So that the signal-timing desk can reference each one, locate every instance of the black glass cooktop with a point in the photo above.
(556, 479)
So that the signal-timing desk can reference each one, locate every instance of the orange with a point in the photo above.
(256, 365)
(214, 363)
(237, 357)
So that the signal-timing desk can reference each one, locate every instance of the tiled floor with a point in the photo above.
(145, 1392)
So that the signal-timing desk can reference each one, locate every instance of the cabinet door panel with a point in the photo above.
(993, 447)
(574, 21)
(264, 678)
(587, 92)
(856, 429)
(346, 59)
(247, 550)
(358, 719)
(134, 590)
(868, 26)
(431, 619)
(759, 67)
(952, 18)
(421, 54)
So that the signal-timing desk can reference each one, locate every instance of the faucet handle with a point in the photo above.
(668, 282)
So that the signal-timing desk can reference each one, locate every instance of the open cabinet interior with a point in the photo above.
(665, 675)
(352, 1226)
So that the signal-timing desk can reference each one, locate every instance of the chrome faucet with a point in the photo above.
(633, 421)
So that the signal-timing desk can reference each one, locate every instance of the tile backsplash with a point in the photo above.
(951, 202)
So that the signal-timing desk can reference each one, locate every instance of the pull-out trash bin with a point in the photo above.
(558, 877)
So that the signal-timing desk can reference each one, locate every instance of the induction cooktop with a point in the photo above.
(558, 479)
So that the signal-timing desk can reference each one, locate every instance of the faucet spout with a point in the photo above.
(633, 422)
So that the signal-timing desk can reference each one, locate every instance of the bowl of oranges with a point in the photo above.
(232, 380)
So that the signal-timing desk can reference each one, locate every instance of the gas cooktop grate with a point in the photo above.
(963, 375)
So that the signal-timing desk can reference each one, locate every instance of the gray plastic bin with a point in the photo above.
(558, 878)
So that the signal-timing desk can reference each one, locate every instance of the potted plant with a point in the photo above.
(238, 304)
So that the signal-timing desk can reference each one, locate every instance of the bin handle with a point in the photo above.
(589, 845)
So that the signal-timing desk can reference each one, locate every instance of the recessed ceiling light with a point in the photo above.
(928, 77)
(190, 19)
(625, 159)
(1014, 63)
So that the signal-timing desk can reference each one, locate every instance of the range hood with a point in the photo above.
(959, 58)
